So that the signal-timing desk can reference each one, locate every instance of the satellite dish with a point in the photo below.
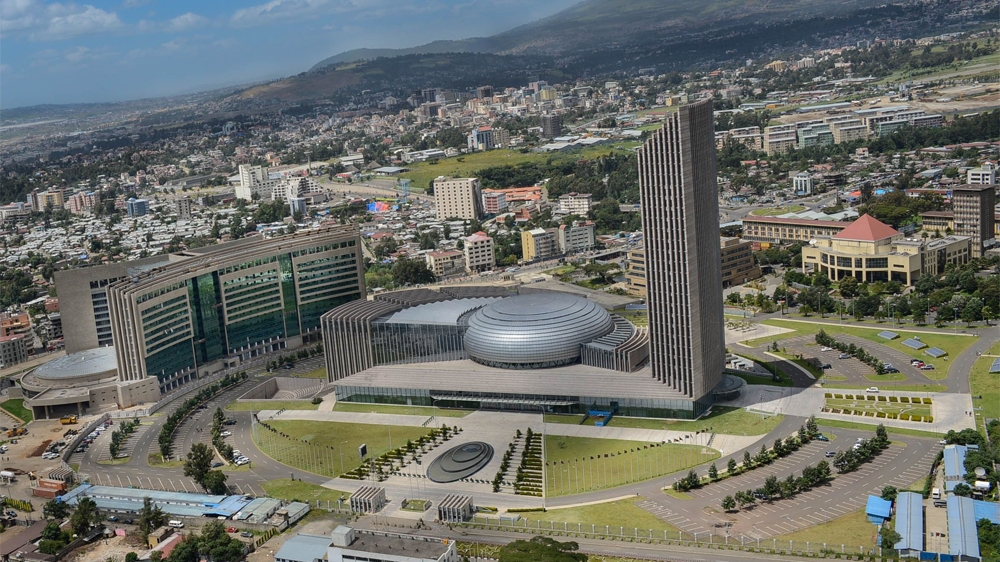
(980, 472)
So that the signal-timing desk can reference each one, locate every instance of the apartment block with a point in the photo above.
(13, 350)
(974, 214)
(738, 264)
(577, 237)
(479, 255)
(446, 262)
(551, 126)
(766, 231)
(983, 175)
(575, 203)
(779, 139)
(457, 198)
(183, 208)
(494, 202)
(539, 244)
(635, 273)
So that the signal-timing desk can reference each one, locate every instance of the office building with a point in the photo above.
(494, 202)
(983, 175)
(538, 244)
(255, 183)
(136, 207)
(870, 250)
(298, 205)
(943, 222)
(457, 198)
(679, 205)
(802, 183)
(576, 237)
(485, 92)
(479, 255)
(767, 231)
(183, 208)
(551, 126)
(51, 199)
(635, 273)
(222, 304)
(575, 203)
(445, 262)
(13, 349)
(488, 138)
(974, 214)
(82, 202)
(738, 264)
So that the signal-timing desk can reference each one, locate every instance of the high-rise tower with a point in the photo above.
(680, 224)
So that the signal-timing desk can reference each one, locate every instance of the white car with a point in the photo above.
(827, 349)
(237, 453)
(872, 389)
(226, 433)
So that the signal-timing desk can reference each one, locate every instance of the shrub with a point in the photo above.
(849, 396)
(928, 419)
(871, 398)
(882, 399)
(916, 418)
(927, 401)
(870, 414)
(893, 399)
(904, 417)
(828, 395)
(838, 396)
(904, 400)
(893, 415)
(880, 415)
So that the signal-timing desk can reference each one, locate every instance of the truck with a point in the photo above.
(68, 420)
(17, 431)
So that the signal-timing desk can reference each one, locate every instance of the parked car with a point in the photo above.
(825, 366)
(113, 518)
(890, 369)
(844, 356)
(831, 454)
(916, 362)
(872, 389)
(826, 349)
(246, 535)
(821, 437)
(226, 433)
(232, 530)
(927, 367)
(217, 464)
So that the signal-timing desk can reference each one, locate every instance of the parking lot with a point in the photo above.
(849, 371)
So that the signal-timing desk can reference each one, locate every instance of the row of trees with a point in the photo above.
(773, 488)
(119, 436)
(822, 338)
(166, 437)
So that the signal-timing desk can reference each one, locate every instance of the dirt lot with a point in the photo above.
(19, 456)
(110, 550)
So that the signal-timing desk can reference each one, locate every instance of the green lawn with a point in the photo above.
(731, 421)
(285, 489)
(466, 165)
(852, 530)
(953, 344)
(637, 317)
(994, 349)
(399, 410)
(581, 464)
(773, 211)
(258, 405)
(621, 513)
(15, 407)
(982, 382)
(318, 373)
(329, 439)
(870, 427)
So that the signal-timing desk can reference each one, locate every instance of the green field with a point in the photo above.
(614, 514)
(851, 530)
(637, 317)
(365, 408)
(15, 407)
(722, 419)
(773, 211)
(464, 166)
(288, 490)
(870, 427)
(953, 344)
(329, 439)
(258, 405)
(582, 464)
(982, 382)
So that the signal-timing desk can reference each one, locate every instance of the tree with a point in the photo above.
(889, 493)
(85, 516)
(713, 472)
(963, 489)
(131, 557)
(411, 272)
(218, 544)
(54, 538)
(55, 509)
(889, 536)
(198, 463)
(215, 482)
(728, 503)
(747, 460)
(151, 517)
(155, 556)
(848, 287)
(731, 466)
(540, 549)
(185, 551)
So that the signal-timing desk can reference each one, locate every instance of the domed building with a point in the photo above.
(489, 347)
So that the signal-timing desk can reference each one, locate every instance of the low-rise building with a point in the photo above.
(870, 251)
(738, 264)
(635, 273)
(494, 202)
(575, 203)
(479, 255)
(576, 237)
(765, 231)
(983, 175)
(802, 183)
(14, 323)
(446, 262)
(538, 244)
(346, 544)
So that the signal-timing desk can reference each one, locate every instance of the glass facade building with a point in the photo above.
(232, 301)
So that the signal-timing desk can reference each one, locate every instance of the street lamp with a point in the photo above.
(341, 448)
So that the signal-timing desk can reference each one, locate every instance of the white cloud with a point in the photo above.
(54, 21)
(279, 10)
(5, 68)
(134, 3)
(186, 21)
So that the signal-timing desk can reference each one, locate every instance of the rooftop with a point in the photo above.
(445, 313)
(303, 548)
(79, 364)
(867, 229)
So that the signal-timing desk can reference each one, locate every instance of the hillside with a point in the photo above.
(592, 22)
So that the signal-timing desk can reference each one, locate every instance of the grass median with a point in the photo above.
(15, 407)
(852, 531)
(986, 384)
(365, 408)
(870, 427)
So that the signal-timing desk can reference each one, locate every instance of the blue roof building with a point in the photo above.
(303, 548)
(986, 510)
(963, 536)
(878, 510)
(954, 462)
(910, 524)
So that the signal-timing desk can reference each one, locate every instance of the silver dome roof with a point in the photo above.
(534, 330)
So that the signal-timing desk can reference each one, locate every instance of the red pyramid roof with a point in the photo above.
(868, 229)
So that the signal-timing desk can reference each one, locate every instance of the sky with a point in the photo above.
(69, 52)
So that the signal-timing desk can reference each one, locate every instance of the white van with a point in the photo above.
(936, 494)
(175, 524)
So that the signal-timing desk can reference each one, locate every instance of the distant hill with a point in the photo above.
(617, 22)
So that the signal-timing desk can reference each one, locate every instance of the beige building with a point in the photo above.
(635, 273)
(765, 231)
(983, 175)
(457, 198)
(974, 214)
(479, 255)
(848, 130)
(870, 250)
(575, 203)
(779, 139)
(738, 265)
(577, 237)
(538, 244)
(446, 262)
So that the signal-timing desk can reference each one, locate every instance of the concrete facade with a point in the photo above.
(479, 255)
(679, 206)
(458, 198)
(974, 215)
(538, 244)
